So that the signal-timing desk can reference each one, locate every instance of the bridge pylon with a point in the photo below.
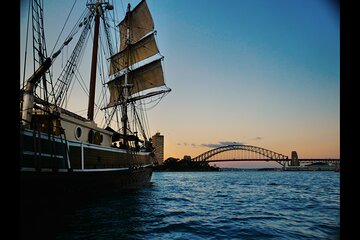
(294, 159)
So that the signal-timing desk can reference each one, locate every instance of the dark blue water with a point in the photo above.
(209, 205)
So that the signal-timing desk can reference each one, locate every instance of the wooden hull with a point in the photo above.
(59, 183)
(51, 165)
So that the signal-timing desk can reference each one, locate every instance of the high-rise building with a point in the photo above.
(158, 144)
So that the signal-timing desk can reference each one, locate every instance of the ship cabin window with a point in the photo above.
(91, 136)
(78, 132)
(101, 138)
(97, 138)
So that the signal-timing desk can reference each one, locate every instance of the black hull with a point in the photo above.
(48, 168)
(79, 183)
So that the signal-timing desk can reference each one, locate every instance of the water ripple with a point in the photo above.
(214, 205)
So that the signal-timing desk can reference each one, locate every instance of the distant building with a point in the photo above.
(158, 144)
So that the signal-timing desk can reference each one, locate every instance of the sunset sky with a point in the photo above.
(259, 72)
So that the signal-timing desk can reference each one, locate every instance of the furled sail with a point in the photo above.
(135, 53)
(140, 22)
(143, 78)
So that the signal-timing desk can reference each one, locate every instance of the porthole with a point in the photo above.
(78, 132)
(91, 136)
(96, 138)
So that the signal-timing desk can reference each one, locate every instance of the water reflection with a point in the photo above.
(212, 205)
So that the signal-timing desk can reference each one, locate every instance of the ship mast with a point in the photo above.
(126, 85)
(94, 62)
(137, 45)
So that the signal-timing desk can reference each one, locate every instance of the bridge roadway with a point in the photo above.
(266, 155)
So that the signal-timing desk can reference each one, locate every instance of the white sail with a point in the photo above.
(141, 50)
(143, 78)
(139, 20)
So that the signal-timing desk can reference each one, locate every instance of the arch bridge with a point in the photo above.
(265, 154)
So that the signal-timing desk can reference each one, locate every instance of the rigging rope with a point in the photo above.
(63, 27)
(26, 43)
(68, 72)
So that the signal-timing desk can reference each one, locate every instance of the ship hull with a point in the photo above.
(78, 182)
(52, 165)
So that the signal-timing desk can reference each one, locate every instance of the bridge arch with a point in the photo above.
(271, 155)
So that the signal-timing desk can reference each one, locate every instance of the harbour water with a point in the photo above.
(200, 205)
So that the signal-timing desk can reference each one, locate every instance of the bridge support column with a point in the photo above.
(294, 159)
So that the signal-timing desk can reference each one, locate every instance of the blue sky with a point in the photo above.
(259, 72)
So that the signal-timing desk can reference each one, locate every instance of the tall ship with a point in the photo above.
(109, 147)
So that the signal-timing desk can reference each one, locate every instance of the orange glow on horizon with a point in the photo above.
(306, 151)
